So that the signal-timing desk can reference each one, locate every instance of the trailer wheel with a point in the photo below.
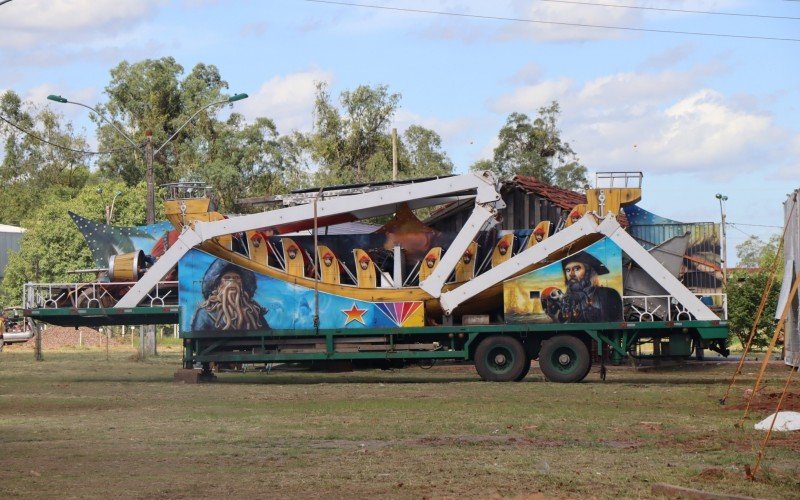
(501, 359)
(564, 358)
(525, 371)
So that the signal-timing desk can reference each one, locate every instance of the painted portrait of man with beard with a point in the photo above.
(584, 300)
(228, 291)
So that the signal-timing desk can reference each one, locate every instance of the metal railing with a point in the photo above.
(90, 295)
(617, 180)
(650, 307)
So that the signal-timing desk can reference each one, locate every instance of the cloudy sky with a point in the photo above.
(699, 115)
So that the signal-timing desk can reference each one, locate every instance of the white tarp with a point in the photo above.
(785, 421)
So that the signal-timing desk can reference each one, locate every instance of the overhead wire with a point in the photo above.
(61, 146)
(556, 23)
(665, 9)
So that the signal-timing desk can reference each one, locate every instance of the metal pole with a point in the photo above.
(722, 198)
(394, 154)
(38, 345)
(316, 266)
(151, 195)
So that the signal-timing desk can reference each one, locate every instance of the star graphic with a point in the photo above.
(354, 314)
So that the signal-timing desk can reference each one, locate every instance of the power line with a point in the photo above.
(557, 23)
(664, 9)
(38, 138)
(4, 1)
(753, 225)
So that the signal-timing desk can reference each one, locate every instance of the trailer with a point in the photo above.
(275, 286)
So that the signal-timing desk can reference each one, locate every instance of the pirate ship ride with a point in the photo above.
(280, 285)
(411, 272)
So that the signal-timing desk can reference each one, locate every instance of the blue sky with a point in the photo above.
(697, 114)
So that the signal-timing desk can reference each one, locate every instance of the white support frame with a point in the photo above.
(609, 227)
(537, 253)
(370, 204)
(433, 284)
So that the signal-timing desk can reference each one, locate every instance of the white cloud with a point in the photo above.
(449, 130)
(669, 57)
(663, 122)
(87, 95)
(573, 14)
(289, 100)
(32, 23)
(529, 98)
(528, 74)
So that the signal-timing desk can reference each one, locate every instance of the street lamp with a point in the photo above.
(108, 209)
(148, 146)
(722, 199)
(63, 100)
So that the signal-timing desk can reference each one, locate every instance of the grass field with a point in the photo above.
(77, 425)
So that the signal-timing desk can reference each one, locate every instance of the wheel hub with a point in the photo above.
(564, 359)
(500, 359)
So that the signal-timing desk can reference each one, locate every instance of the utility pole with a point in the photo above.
(394, 154)
(151, 191)
(147, 334)
(724, 242)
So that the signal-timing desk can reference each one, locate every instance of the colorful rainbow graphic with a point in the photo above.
(398, 312)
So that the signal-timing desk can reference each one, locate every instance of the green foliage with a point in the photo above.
(353, 144)
(52, 244)
(236, 158)
(30, 168)
(757, 253)
(535, 148)
(745, 290)
(145, 96)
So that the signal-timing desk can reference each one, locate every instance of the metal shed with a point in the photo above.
(791, 253)
(10, 237)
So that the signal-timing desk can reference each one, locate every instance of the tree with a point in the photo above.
(149, 96)
(235, 157)
(757, 253)
(422, 154)
(52, 244)
(31, 167)
(745, 290)
(535, 148)
(352, 143)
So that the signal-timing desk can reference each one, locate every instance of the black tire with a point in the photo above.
(564, 359)
(501, 358)
(524, 371)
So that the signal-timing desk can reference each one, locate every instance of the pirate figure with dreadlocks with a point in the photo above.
(228, 292)
(584, 300)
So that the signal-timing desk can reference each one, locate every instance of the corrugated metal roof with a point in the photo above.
(560, 197)
(4, 228)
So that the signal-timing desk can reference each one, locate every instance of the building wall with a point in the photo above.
(9, 242)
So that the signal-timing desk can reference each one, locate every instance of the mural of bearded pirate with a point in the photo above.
(584, 300)
(228, 292)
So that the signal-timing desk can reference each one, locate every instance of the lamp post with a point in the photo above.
(722, 199)
(109, 209)
(149, 153)
(63, 100)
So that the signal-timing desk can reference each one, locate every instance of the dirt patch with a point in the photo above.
(768, 401)
(56, 337)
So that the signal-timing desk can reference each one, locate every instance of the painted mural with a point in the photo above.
(218, 295)
(105, 241)
(585, 287)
